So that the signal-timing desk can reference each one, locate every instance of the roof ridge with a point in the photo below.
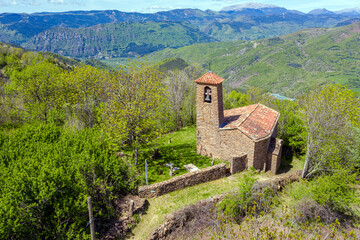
(210, 78)
(268, 107)
(257, 105)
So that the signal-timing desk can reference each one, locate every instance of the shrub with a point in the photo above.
(335, 191)
(311, 211)
(328, 197)
(46, 173)
(247, 201)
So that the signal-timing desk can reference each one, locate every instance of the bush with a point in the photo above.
(46, 173)
(335, 191)
(246, 201)
(328, 197)
(310, 211)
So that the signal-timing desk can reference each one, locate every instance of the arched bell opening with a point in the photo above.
(207, 94)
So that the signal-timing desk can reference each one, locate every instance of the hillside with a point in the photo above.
(67, 32)
(116, 40)
(288, 64)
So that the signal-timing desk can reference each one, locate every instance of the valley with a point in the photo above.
(112, 33)
(289, 64)
(181, 123)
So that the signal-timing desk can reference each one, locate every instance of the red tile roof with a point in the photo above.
(256, 121)
(210, 78)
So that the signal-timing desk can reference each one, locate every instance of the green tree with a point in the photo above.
(81, 92)
(328, 116)
(181, 93)
(36, 85)
(290, 125)
(130, 114)
(236, 99)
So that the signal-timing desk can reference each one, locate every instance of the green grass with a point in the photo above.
(181, 151)
(162, 206)
(117, 62)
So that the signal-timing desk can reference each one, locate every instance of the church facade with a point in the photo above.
(246, 133)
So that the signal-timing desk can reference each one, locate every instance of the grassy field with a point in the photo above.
(162, 206)
(181, 151)
(116, 62)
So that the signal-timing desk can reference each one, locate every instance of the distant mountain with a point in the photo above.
(117, 39)
(349, 11)
(253, 5)
(288, 65)
(348, 22)
(321, 11)
(48, 31)
(248, 8)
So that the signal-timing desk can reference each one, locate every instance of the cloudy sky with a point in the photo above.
(30, 6)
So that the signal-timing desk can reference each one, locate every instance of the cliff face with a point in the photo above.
(116, 40)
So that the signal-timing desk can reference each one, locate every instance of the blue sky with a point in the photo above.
(30, 6)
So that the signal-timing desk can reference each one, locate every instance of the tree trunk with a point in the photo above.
(306, 167)
(179, 122)
(309, 155)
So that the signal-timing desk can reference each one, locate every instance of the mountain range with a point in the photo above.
(112, 33)
(288, 65)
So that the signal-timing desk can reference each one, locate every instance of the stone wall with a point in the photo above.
(238, 164)
(274, 158)
(234, 143)
(185, 180)
(261, 154)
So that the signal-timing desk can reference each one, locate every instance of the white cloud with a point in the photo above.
(57, 1)
(7, 3)
(19, 2)
(157, 8)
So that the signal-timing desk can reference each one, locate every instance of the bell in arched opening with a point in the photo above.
(207, 94)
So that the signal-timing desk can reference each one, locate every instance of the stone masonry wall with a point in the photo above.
(261, 154)
(226, 144)
(233, 143)
(185, 180)
(209, 116)
(238, 164)
(274, 158)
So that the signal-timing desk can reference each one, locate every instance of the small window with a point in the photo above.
(207, 94)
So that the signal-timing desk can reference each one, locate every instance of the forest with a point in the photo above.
(62, 126)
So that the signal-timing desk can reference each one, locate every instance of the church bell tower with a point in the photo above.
(209, 112)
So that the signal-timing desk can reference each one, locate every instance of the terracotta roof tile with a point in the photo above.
(256, 121)
(210, 78)
(234, 117)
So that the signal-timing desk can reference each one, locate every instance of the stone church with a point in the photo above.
(245, 136)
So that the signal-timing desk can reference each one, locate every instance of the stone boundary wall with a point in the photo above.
(183, 181)
(238, 164)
